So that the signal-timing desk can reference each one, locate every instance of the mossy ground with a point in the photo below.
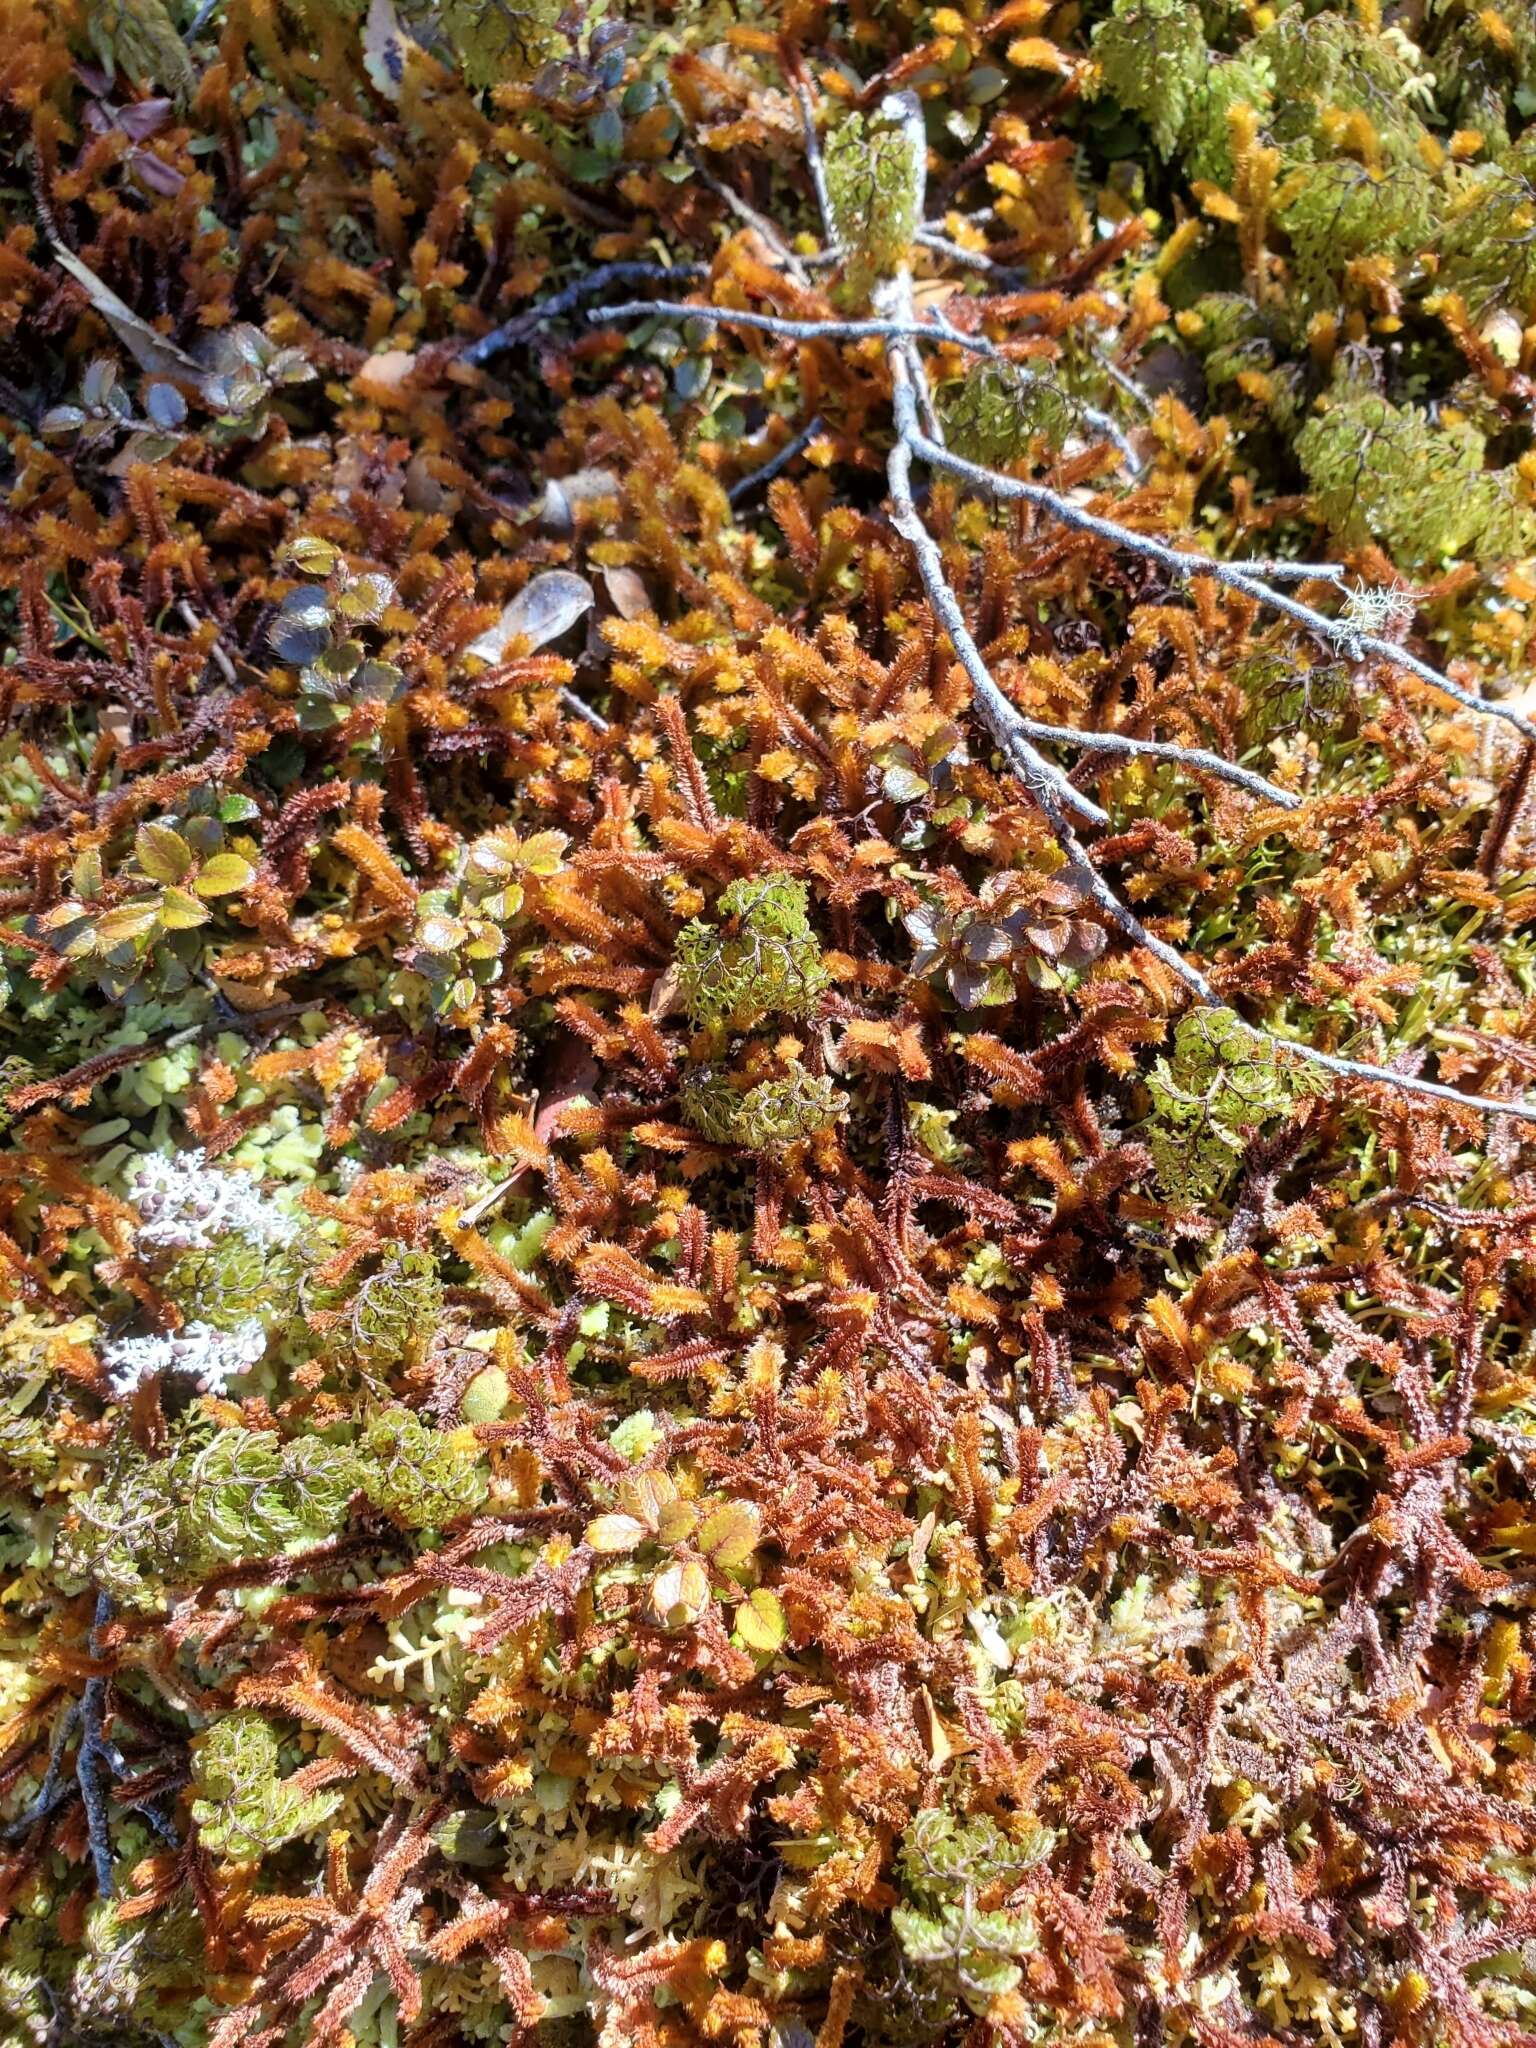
(655, 1387)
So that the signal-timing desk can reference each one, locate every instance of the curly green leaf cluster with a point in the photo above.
(996, 413)
(761, 959)
(876, 168)
(1487, 243)
(1325, 65)
(233, 1279)
(1152, 56)
(1221, 1083)
(1386, 473)
(1339, 211)
(765, 1117)
(222, 1497)
(395, 1311)
(242, 1806)
(947, 1864)
(419, 1476)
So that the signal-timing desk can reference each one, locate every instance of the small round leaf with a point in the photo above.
(224, 874)
(760, 1623)
(163, 854)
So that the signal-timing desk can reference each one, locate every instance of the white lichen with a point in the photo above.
(210, 1356)
(185, 1204)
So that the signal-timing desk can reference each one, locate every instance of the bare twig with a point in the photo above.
(482, 1206)
(968, 259)
(1121, 380)
(922, 390)
(1236, 575)
(932, 327)
(1240, 576)
(218, 653)
(1046, 785)
(1004, 722)
(904, 328)
(747, 485)
(1197, 759)
(1295, 572)
(591, 282)
(580, 708)
(1406, 1084)
(786, 329)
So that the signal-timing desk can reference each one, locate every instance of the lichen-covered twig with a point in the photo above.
(831, 249)
(1405, 1084)
(968, 259)
(1198, 760)
(904, 328)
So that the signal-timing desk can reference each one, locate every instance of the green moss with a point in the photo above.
(996, 414)
(876, 165)
(949, 1865)
(222, 1496)
(1221, 1085)
(395, 1311)
(1152, 55)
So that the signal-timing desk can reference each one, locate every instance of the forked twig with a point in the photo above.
(933, 327)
